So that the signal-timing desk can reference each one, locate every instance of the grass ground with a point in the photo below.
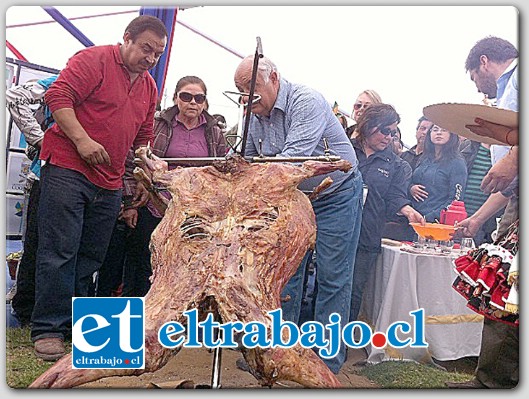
(410, 375)
(23, 368)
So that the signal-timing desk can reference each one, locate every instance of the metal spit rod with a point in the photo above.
(217, 361)
(257, 56)
(259, 159)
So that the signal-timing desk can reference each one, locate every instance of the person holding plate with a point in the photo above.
(493, 66)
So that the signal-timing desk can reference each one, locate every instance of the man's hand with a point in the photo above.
(468, 227)
(501, 174)
(141, 196)
(130, 217)
(92, 152)
(502, 133)
(412, 215)
(418, 192)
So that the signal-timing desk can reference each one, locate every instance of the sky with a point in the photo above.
(413, 56)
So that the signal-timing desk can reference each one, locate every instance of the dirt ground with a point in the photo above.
(191, 368)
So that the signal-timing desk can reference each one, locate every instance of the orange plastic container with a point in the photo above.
(434, 231)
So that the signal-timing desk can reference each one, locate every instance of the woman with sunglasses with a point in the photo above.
(364, 100)
(440, 176)
(185, 130)
(387, 177)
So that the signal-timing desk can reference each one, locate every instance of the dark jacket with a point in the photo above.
(411, 157)
(441, 180)
(387, 178)
(350, 130)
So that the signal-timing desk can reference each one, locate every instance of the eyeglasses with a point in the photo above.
(187, 97)
(387, 131)
(358, 106)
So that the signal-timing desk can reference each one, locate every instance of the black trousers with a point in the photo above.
(138, 269)
(499, 362)
(24, 299)
(499, 359)
(110, 276)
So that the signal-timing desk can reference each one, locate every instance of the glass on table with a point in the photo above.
(431, 244)
(446, 246)
(438, 246)
(420, 243)
(467, 244)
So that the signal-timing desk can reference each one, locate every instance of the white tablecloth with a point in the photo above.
(404, 282)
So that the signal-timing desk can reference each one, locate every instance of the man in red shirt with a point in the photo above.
(103, 103)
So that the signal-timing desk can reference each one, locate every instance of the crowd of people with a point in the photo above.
(104, 107)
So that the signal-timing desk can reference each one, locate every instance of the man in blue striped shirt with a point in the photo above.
(292, 120)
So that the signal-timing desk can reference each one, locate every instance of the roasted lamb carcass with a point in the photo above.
(231, 237)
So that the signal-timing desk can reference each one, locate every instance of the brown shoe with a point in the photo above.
(472, 384)
(50, 349)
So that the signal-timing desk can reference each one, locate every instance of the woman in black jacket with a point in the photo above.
(387, 178)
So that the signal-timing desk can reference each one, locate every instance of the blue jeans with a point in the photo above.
(364, 266)
(338, 220)
(75, 222)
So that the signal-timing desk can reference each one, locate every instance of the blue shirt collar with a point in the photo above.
(282, 95)
(503, 80)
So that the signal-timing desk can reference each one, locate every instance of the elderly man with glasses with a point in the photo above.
(291, 120)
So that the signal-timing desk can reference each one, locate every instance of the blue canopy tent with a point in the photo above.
(168, 16)
(68, 25)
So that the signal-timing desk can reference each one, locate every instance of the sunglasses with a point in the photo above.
(387, 131)
(358, 106)
(187, 97)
